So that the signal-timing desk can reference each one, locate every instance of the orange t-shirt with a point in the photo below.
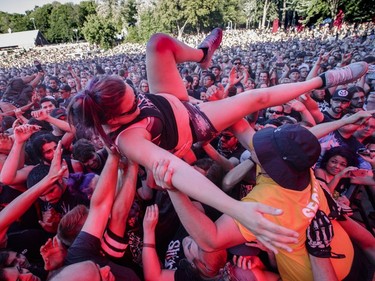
(299, 208)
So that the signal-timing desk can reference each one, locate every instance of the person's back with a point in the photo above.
(301, 205)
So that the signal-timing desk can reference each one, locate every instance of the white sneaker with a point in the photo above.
(344, 75)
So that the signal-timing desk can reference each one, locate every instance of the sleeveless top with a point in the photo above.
(163, 128)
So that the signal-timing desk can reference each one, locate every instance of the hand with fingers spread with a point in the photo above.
(53, 254)
(296, 105)
(272, 235)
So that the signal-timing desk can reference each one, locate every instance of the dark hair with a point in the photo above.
(341, 151)
(4, 255)
(97, 104)
(54, 78)
(355, 89)
(7, 122)
(83, 150)
(46, 99)
(40, 86)
(216, 174)
(38, 142)
(189, 79)
(45, 126)
(37, 174)
(71, 224)
(211, 75)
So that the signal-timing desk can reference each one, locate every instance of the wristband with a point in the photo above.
(149, 245)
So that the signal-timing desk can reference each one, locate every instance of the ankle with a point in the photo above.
(204, 54)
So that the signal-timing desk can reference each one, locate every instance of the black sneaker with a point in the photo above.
(211, 43)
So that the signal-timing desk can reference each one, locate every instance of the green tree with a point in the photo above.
(360, 10)
(232, 11)
(41, 17)
(99, 31)
(129, 12)
(316, 12)
(171, 16)
(14, 22)
(85, 8)
(63, 20)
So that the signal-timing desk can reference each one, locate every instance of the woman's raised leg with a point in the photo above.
(164, 52)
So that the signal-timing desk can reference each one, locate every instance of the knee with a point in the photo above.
(159, 42)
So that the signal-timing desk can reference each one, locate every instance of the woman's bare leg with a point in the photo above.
(226, 112)
(163, 53)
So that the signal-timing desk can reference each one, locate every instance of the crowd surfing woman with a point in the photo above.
(163, 125)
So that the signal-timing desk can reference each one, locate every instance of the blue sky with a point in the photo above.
(20, 6)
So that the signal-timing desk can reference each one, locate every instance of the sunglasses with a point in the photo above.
(133, 108)
(237, 63)
(275, 111)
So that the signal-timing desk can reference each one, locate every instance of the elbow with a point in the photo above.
(227, 185)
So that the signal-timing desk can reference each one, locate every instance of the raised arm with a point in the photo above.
(12, 173)
(124, 200)
(103, 196)
(218, 158)
(151, 265)
(23, 202)
(42, 114)
(235, 175)
(323, 129)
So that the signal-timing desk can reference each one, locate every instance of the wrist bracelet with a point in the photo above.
(149, 245)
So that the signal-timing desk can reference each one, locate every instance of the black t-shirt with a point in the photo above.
(174, 256)
(88, 247)
(328, 117)
(28, 220)
(67, 202)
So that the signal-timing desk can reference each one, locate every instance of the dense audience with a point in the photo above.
(73, 208)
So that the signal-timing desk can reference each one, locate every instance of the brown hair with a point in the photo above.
(97, 104)
(71, 224)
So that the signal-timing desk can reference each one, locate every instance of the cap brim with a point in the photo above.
(244, 250)
(272, 162)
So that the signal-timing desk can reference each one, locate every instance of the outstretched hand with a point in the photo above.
(272, 236)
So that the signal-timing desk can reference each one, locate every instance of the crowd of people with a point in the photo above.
(237, 155)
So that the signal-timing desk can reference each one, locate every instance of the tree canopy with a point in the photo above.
(101, 22)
